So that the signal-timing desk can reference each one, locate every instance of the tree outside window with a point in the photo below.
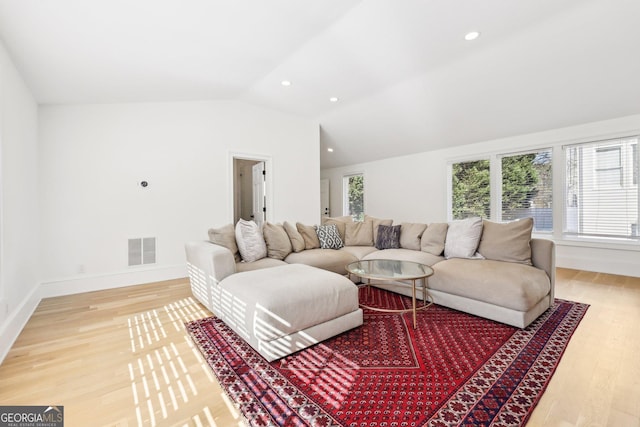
(526, 188)
(354, 196)
(471, 190)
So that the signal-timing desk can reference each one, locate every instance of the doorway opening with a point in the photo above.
(250, 194)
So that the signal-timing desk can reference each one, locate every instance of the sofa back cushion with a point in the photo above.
(308, 233)
(277, 240)
(340, 223)
(463, 237)
(359, 233)
(376, 223)
(433, 238)
(225, 237)
(411, 235)
(508, 241)
(297, 241)
(250, 241)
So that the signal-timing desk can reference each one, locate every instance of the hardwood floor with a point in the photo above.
(116, 358)
(121, 358)
(598, 380)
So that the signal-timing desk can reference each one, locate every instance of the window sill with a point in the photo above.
(611, 244)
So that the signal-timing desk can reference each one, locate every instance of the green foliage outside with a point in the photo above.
(356, 197)
(519, 179)
(471, 189)
(523, 178)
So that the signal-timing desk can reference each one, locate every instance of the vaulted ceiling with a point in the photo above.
(405, 78)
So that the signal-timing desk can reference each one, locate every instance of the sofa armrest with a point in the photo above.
(543, 256)
(208, 264)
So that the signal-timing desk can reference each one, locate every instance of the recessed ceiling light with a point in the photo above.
(330, 150)
(334, 99)
(472, 35)
(285, 83)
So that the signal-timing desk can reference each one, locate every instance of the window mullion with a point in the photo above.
(496, 188)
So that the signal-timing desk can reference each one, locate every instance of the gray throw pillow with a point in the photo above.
(329, 236)
(388, 237)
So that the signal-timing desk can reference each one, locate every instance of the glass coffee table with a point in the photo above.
(386, 270)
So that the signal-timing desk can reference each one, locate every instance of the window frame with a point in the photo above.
(450, 183)
(629, 160)
(495, 181)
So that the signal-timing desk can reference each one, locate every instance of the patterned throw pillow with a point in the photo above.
(388, 237)
(329, 236)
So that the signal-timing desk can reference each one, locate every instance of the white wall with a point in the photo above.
(19, 232)
(93, 157)
(414, 188)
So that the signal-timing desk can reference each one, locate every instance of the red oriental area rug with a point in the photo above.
(455, 369)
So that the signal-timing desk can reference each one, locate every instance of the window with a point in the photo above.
(527, 188)
(353, 191)
(524, 189)
(601, 189)
(470, 189)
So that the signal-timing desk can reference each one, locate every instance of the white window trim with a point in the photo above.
(495, 181)
(559, 235)
(449, 182)
(556, 143)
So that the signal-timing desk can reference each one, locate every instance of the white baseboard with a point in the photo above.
(80, 284)
(15, 322)
(608, 266)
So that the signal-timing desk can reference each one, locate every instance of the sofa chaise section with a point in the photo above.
(279, 308)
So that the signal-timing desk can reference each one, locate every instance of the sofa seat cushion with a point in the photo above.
(326, 259)
(505, 284)
(359, 251)
(259, 264)
(405, 255)
(279, 301)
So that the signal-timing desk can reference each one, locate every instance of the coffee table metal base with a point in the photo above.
(414, 308)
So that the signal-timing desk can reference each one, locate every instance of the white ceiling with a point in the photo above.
(406, 78)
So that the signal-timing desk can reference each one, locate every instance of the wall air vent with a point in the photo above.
(142, 251)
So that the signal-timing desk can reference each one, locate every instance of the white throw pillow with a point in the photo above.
(250, 241)
(463, 237)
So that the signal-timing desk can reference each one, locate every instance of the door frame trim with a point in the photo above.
(268, 164)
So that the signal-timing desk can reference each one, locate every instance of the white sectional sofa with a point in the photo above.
(504, 274)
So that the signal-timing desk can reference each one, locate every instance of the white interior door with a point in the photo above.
(259, 205)
(325, 209)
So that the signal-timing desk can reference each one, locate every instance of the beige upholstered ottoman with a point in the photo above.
(283, 309)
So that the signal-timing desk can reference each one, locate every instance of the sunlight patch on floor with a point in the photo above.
(160, 380)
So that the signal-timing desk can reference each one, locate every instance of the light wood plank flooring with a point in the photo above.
(121, 358)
